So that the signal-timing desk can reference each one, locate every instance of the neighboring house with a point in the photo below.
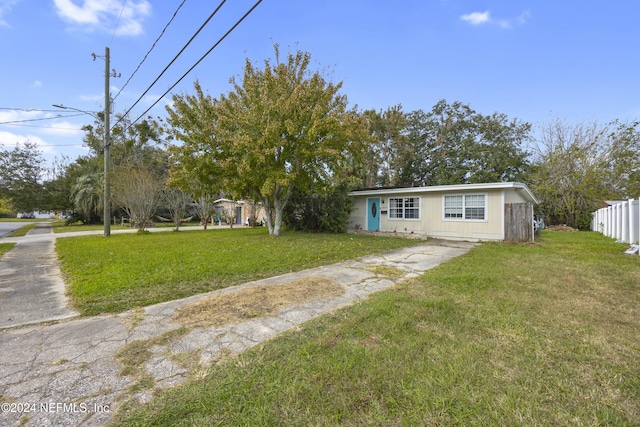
(39, 215)
(238, 212)
(493, 211)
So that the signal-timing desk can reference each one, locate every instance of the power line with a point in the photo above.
(44, 127)
(118, 21)
(172, 61)
(152, 47)
(198, 62)
(30, 110)
(59, 116)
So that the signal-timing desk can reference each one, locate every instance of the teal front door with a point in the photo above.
(373, 214)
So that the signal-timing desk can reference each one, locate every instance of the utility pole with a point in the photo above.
(107, 148)
(107, 141)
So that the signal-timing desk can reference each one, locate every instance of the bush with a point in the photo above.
(319, 212)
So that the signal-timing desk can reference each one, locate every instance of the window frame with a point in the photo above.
(467, 207)
(415, 205)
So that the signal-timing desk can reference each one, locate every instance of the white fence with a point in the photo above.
(620, 220)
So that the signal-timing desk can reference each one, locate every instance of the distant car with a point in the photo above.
(27, 215)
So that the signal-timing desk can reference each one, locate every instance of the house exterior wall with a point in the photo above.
(431, 221)
(514, 196)
(491, 228)
(248, 210)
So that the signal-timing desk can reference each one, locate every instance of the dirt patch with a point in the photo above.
(562, 227)
(387, 271)
(258, 301)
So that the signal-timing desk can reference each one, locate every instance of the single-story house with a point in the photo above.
(237, 212)
(492, 211)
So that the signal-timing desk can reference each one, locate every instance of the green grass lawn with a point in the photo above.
(22, 231)
(541, 334)
(130, 270)
(5, 247)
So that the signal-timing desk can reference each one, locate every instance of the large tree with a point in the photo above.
(132, 146)
(453, 144)
(387, 129)
(21, 173)
(579, 166)
(280, 126)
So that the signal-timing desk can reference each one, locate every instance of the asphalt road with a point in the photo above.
(8, 227)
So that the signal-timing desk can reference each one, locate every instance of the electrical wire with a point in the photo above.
(152, 47)
(30, 110)
(65, 145)
(118, 22)
(44, 118)
(198, 62)
(171, 63)
(44, 127)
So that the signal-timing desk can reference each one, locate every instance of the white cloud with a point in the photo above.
(63, 128)
(17, 115)
(476, 18)
(105, 15)
(5, 7)
(9, 140)
(46, 123)
(480, 18)
(151, 98)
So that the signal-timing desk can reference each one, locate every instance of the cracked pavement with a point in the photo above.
(66, 373)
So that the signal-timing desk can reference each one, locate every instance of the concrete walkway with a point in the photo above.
(31, 288)
(67, 374)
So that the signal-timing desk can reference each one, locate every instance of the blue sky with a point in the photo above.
(534, 60)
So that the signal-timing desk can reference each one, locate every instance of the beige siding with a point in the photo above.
(358, 217)
(514, 196)
(491, 228)
(432, 222)
(403, 225)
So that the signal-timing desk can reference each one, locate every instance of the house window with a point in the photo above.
(453, 206)
(395, 208)
(468, 207)
(404, 208)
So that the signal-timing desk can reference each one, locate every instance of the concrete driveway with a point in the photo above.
(66, 373)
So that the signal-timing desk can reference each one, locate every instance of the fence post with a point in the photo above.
(614, 224)
(624, 222)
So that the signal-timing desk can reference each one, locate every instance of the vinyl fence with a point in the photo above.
(620, 220)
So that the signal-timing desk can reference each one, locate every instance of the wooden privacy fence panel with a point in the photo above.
(518, 222)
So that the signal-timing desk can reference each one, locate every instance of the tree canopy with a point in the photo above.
(21, 171)
(280, 126)
(451, 144)
(579, 166)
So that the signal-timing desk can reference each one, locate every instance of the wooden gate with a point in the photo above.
(518, 222)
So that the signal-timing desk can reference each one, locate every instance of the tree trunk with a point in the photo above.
(278, 207)
(267, 211)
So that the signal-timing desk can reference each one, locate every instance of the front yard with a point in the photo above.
(538, 334)
(131, 270)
